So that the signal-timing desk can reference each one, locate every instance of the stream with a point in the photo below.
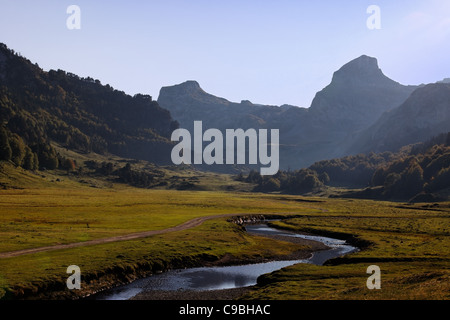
(217, 278)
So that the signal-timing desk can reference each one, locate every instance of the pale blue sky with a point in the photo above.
(269, 52)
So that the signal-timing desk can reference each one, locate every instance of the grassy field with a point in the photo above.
(409, 242)
(42, 217)
(36, 218)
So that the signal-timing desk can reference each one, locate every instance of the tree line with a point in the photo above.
(80, 114)
(420, 168)
(36, 156)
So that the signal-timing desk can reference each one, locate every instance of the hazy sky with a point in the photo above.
(269, 52)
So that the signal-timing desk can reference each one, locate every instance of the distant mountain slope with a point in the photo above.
(358, 94)
(424, 114)
(188, 102)
(419, 173)
(81, 114)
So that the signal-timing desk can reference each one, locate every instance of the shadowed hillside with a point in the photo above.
(38, 107)
(423, 115)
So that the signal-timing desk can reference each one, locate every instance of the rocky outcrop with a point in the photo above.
(250, 219)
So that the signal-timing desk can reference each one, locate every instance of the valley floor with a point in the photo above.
(410, 243)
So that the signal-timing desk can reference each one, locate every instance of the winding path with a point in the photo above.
(132, 236)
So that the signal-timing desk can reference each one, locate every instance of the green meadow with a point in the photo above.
(410, 243)
(44, 217)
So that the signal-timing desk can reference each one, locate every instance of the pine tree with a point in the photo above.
(18, 150)
(30, 161)
(5, 148)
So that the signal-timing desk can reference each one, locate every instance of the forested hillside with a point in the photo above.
(419, 171)
(38, 107)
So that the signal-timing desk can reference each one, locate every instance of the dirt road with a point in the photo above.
(184, 226)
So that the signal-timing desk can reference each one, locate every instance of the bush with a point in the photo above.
(68, 164)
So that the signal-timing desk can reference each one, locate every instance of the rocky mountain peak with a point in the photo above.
(190, 84)
(188, 87)
(358, 94)
(360, 70)
(446, 80)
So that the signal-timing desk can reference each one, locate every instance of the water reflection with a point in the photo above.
(338, 247)
(215, 278)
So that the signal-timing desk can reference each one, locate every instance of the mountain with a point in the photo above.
(357, 96)
(361, 110)
(426, 113)
(188, 102)
(81, 114)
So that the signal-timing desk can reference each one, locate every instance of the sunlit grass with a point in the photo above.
(125, 260)
(35, 218)
(41, 217)
(409, 243)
